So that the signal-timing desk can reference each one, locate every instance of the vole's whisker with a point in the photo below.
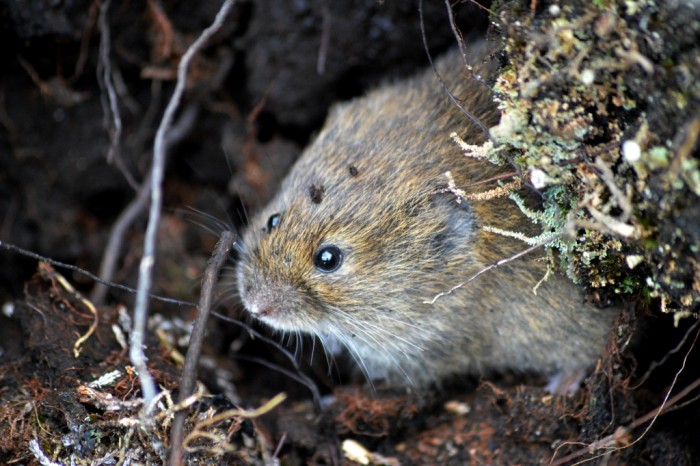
(380, 344)
(350, 345)
(298, 344)
(329, 355)
(361, 330)
(313, 350)
(378, 328)
(421, 329)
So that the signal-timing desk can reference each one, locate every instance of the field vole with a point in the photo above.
(362, 233)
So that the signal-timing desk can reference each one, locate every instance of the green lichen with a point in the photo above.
(584, 80)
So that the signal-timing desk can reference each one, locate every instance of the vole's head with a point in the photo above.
(361, 233)
(363, 230)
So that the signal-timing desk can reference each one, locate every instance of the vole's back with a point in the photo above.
(363, 232)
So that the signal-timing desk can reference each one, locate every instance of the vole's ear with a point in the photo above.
(457, 222)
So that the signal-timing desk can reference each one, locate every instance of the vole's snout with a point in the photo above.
(255, 300)
(261, 306)
(260, 311)
(270, 302)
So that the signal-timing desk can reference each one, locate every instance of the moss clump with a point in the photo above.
(600, 106)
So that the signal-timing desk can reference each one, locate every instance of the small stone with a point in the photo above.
(631, 151)
(633, 260)
(587, 77)
(538, 178)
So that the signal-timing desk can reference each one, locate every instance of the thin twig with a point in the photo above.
(279, 445)
(74, 268)
(104, 77)
(135, 208)
(454, 100)
(459, 37)
(486, 269)
(110, 105)
(272, 366)
(303, 378)
(41, 457)
(502, 176)
(199, 430)
(655, 364)
(116, 235)
(621, 199)
(482, 7)
(157, 171)
(457, 33)
(49, 273)
(189, 372)
(85, 41)
(621, 432)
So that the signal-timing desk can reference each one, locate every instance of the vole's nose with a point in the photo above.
(269, 301)
(261, 311)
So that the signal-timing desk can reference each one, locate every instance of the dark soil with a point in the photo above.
(256, 95)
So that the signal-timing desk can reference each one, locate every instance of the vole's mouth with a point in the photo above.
(264, 312)
(278, 317)
(276, 322)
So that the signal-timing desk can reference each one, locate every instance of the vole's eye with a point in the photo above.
(328, 258)
(272, 222)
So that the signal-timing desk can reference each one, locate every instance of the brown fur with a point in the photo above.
(369, 184)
